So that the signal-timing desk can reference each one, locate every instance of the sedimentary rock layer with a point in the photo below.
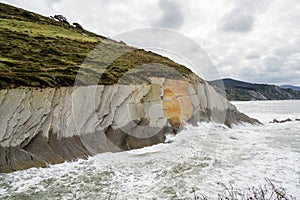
(52, 125)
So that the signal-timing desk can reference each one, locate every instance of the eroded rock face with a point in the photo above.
(48, 126)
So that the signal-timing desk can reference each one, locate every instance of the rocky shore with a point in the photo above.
(48, 126)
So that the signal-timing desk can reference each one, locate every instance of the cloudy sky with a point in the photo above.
(250, 40)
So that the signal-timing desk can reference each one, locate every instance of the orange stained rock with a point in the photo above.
(177, 104)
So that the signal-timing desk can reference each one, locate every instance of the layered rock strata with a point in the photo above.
(53, 125)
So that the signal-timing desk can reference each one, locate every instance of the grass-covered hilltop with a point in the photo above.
(40, 51)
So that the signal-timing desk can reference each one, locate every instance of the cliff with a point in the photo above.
(67, 93)
(243, 91)
(47, 126)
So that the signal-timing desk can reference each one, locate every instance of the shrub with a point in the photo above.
(266, 192)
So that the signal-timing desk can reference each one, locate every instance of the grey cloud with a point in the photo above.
(172, 15)
(253, 6)
(286, 50)
(237, 21)
(241, 18)
(293, 62)
(276, 77)
(253, 55)
(273, 63)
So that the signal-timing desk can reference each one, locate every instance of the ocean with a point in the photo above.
(195, 163)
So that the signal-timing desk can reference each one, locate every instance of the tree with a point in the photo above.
(77, 25)
(61, 18)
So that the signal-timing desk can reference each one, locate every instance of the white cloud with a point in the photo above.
(237, 20)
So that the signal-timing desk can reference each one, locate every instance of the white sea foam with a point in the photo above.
(197, 159)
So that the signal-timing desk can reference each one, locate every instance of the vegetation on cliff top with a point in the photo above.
(38, 51)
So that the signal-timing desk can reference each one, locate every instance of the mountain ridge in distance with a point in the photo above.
(297, 88)
(244, 91)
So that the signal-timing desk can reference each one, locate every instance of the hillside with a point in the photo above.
(39, 51)
(290, 87)
(243, 91)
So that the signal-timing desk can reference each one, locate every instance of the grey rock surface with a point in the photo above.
(53, 125)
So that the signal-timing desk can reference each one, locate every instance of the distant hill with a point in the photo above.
(290, 87)
(243, 91)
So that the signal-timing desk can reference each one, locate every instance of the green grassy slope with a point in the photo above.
(38, 51)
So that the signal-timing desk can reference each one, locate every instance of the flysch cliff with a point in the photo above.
(48, 126)
(46, 119)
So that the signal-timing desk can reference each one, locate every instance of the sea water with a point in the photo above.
(194, 163)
